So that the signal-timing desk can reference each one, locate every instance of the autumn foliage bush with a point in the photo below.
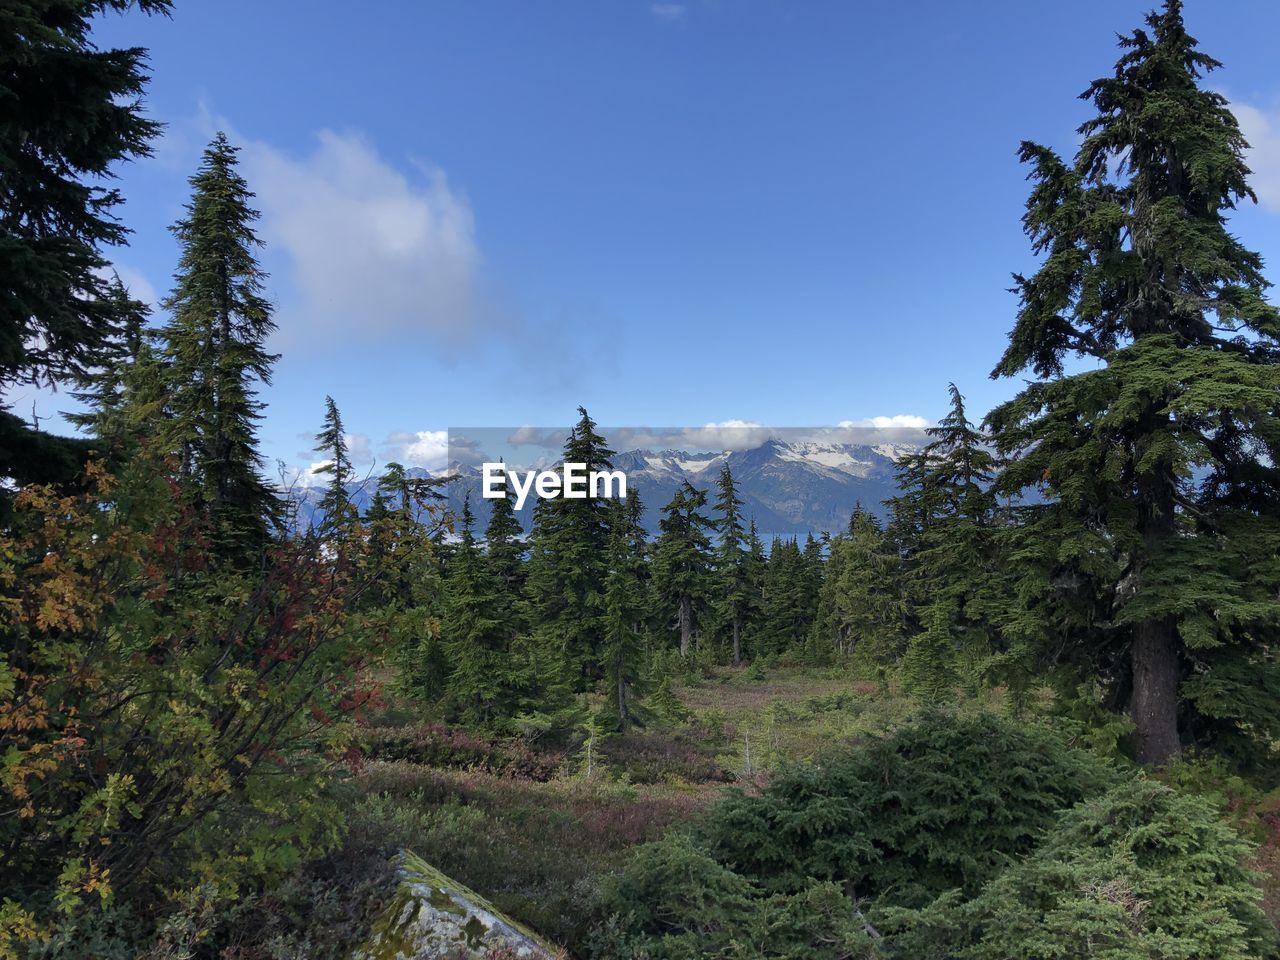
(170, 726)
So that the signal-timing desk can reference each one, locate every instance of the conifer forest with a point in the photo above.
(1027, 708)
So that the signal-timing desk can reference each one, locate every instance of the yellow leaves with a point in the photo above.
(17, 925)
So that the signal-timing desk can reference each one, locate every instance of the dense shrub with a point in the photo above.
(953, 838)
(945, 802)
(1140, 872)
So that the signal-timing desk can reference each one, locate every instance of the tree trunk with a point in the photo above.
(737, 642)
(686, 625)
(1154, 706)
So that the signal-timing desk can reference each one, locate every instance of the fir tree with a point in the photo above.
(331, 443)
(730, 563)
(682, 562)
(478, 633)
(504, 544)
(567, 569)
(73, 112)
(1159, 462)
(929, 664)
(947, 514)
(124, 395)
(790, 597)
(624, 603)
(861, 594)
(215, 355)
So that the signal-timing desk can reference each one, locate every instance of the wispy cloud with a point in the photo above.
(668, 12)
(369, 248)
(898, 421)
(1262, 129)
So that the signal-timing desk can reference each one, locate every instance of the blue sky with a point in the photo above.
(781, 212)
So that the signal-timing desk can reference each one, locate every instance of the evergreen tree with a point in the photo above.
(861, 595)
(1158, 463)
(478, 633)
(947, 510)
(214, 353)
(124, 395)
(755, 565)
(567, 569)
(790, 598)
(331, 442)
(504, 544)
(929, 664)
(682, 562)
(72, 113)
(624, 602)
(730, 563)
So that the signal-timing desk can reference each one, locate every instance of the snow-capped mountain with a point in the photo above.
(790, 488)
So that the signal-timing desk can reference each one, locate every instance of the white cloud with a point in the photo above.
(1262, 129)
(906, 421)
(425, 448)
(369, 249)
(668, 12)
(359, 449)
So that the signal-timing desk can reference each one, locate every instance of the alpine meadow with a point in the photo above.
(1024, 702)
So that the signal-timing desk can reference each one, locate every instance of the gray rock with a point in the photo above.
(434, 918)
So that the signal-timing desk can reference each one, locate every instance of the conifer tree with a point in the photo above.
(478, 633)
(1158, 463)
(124, 395)
(72, 113)
(331, 443)
(504, 544)
(861, 592)
(682, 562)
(624, 602)
(929, 668)
(567, 566)
(791, 589)
(214, 349)
(730, 563)
(948, 510)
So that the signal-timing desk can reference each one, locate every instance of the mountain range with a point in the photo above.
(789, 487)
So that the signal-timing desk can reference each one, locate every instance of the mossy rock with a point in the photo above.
(434, 918)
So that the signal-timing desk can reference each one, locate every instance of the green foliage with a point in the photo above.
(1137, 873)
(566, 572)
(73, 113)
(929, 667)
(860, 603)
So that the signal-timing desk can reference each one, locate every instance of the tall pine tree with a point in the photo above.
(214, 349)
(331, 443)
(1159, 461)
(730, 562)
(682, 563)
(625, 590)
(567, 568)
